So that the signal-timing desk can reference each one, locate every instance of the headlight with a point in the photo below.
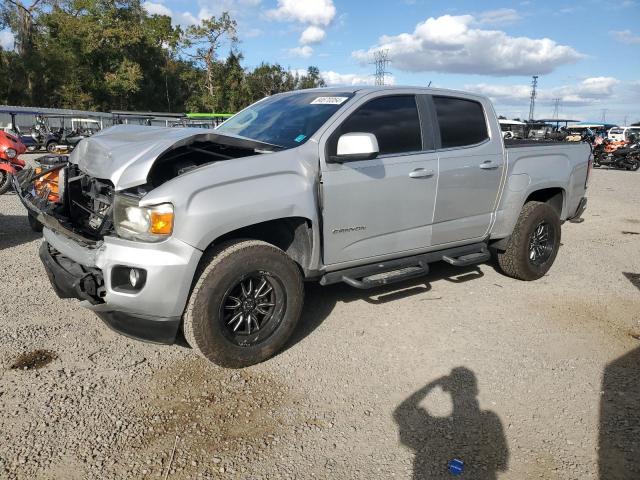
(10, 153)
(147, 224)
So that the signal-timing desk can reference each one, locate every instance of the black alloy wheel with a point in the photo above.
(534, 242)
(245, 304)
(252, 308)
(541, 244)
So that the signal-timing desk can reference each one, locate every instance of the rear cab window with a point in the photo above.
(394, 120)
(462, 122)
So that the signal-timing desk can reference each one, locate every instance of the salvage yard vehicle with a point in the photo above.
(621, 134)
(10, 149)
(513, 129)
(625, 157)
(210, 234)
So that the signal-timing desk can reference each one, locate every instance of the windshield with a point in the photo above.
(285, 120)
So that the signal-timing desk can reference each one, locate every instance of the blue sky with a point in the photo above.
(586, 53)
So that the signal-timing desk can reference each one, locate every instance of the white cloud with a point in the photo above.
(7, 40)
(304, 52)
(314, 12)
(450, 44)
(311, 35)
(157, 9)
(501, 16)
(625, 36)
(237, 8)
(335, 78)
(587, 92)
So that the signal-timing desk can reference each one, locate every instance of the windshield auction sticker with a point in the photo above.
(329, 100)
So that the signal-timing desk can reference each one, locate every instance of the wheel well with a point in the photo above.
(293, 235)
(553, 196)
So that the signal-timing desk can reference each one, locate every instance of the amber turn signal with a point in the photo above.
(161, 223)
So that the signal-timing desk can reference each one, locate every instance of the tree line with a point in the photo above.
(112, 55)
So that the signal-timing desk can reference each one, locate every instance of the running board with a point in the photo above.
(392, 271)
(469, 259)
(387, 278)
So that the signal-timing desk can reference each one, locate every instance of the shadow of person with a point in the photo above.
(619, 433)
(469, 434)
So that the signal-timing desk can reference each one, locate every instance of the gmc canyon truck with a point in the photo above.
(166, 232)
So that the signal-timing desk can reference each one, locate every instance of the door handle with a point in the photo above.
(421, 173)
(489, 165)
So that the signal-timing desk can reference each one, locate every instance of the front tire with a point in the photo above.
(245, 304)
(534, 243)
(5, 181)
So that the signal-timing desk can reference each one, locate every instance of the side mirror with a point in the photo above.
(356, 146)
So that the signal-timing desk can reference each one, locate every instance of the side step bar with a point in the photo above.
(392, 271)
(469, 259)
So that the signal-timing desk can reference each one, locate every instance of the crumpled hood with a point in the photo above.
(124, 154)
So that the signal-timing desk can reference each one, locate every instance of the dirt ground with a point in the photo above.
(518, 380)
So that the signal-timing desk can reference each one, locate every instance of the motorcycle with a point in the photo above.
(10, 148)
(623, 157)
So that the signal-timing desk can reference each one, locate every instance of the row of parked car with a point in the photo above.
(552, 129)
(43, 136)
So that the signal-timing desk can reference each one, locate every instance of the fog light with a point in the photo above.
(134, 277)
(128, 279)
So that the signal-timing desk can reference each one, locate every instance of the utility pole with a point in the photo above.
(381, 62)
(556, 108)
(604, 115)
(625, 119)
(532, 105)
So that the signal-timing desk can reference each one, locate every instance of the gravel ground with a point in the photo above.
(519, 380)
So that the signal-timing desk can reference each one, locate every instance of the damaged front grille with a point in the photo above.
(77, 201)
(90, 203)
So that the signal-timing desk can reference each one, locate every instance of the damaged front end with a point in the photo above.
(66, 200)
(104, 244)
(61, 198)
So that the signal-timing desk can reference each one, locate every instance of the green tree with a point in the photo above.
(202, 42)
(111, 54)
(312, 79)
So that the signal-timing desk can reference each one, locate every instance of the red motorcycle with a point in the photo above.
(10, 164)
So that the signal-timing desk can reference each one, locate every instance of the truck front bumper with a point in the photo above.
(153, 311)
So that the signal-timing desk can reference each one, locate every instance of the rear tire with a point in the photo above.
(529, 255)
(5, 181)
(220, 320)
(51, 147)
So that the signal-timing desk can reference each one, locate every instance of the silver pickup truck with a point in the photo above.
(210, 234)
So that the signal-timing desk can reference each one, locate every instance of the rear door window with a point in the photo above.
(461, 121)
(394, 120)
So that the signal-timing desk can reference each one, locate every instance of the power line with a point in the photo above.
(381, 62)
(532, 105)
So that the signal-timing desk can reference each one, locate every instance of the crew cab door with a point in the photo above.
(471, 168)
(385, 205)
